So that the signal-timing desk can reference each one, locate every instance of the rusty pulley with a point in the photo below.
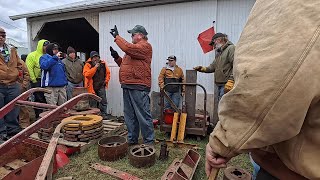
(112, 148)
(235, 173)
(142, 155)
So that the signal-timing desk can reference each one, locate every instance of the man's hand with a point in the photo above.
(199, 68)
(97, 65)
(213, 160)
(228, 86)
(114, 32)
(59, 54)
(114, 53)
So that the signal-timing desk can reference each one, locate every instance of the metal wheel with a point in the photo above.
(142, 156)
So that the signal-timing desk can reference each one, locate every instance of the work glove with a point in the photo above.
(114, 53)
(114, 32)
(228, 86)
(200, 68)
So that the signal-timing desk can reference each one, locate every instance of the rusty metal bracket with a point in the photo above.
(114, 172)
(51, 116)
(184, 169)
(24, 96)
(46, 167)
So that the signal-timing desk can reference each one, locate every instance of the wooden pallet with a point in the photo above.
(9, 167)
(111, 128)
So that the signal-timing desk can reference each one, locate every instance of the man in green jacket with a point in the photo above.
(74, 68)
(33, 66)
(222, 65)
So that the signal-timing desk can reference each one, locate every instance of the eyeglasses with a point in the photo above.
(3, 35)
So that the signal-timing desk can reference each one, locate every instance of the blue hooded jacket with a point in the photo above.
(53, 71)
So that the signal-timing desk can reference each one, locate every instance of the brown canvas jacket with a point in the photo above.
(275, 101)
(135, 66)
(168, 73)
(9, 73)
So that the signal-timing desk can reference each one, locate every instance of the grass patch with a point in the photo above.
(79, 166)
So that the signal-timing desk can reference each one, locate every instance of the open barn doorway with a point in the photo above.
(77, 33)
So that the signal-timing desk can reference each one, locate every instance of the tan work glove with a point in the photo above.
(200, 68)
(228, 86)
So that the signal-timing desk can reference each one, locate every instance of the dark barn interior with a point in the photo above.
(77, 33)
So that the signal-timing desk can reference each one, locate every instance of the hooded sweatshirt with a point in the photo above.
(32, 62)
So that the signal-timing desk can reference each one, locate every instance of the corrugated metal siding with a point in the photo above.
(173, 30)
(232, 16)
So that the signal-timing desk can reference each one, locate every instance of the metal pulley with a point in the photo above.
(112, 148)
(142, 155)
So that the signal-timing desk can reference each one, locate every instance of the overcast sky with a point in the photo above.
(18, 29)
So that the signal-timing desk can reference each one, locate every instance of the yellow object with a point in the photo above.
(228, 86)
(174, 126)
(86, 121)
(182, 127)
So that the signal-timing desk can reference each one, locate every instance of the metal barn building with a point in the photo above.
(173, 27)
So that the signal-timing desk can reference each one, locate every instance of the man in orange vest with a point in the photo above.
(96, 79)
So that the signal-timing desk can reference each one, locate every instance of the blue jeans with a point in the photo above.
(220, 91)
(9, 124)
(137, 115)
(175, 97)
(70, 87)
(103, 103)
(256, 168)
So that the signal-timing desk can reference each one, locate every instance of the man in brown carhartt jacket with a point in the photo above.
(135, 79)
(9, 87)
(172, 73)
(273, 109)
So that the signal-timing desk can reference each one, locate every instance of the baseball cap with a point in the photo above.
(138, 29)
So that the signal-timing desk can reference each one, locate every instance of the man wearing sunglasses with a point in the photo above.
(9, 87)
(172, 73)
(135, 79)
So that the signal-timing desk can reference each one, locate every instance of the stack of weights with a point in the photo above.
(90, 128)
(47, 130)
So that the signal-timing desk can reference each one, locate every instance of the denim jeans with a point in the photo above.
(9, 124)
(220, 91)
(137, 115)
(103, 103)
(256, 168)
(70, 87)
(38, 97)
(175, 97)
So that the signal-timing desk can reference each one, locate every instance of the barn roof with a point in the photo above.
(94, 4)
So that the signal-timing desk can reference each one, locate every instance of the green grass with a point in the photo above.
(79, 166)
